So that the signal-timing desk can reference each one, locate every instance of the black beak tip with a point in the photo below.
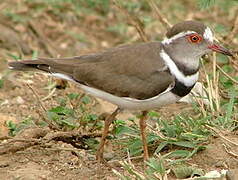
(232, 54)
(229, 53)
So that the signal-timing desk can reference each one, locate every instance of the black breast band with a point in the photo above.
(180, 89)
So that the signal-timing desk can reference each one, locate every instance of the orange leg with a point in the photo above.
(143, 134)
(107, 123)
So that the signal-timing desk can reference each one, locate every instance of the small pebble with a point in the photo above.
(108, 156)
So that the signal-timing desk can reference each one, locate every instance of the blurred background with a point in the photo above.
(178, 137)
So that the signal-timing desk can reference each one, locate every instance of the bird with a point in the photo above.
(137, 77)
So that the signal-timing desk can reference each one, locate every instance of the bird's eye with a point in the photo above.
(195, 38)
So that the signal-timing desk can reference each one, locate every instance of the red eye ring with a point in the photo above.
(195, 38)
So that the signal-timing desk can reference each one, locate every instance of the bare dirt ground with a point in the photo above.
(56, 159)
(60, 160)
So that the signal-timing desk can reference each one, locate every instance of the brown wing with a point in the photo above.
(135, 71)
(128, 71)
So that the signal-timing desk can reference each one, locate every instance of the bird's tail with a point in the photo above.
(60, 68)
(30, 65)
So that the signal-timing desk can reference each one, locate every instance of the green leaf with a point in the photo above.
(197, 149)
(182, 172)
(190, 135)
(161, 146)
(72, 96)
(135, 147)
(157, 165)
(229, 111)
(122, 129)
(222, 58)
(92, 117)
(227, 68)
(153, 137)
(178, 154)
(12, 127)
(15, 57)
(221, 29)
(53, 116)
(169, 129)
(204, 4)
(184, 144)
(62, 110)
(227, 83)
(86, 99)
(92, 143)
(153, 114)
(34, 54)
(119, 122)
(131, 171)
(62, 101)
(68, 123)
(1, 83)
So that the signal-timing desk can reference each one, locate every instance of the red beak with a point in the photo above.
(217, 48)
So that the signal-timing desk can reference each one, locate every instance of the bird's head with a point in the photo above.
(189, 40)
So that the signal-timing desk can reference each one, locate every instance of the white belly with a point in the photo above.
(128, 103)
(133, 104)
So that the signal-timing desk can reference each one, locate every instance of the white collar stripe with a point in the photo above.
(188, 81)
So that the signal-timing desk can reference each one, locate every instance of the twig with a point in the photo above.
(200, 102)
(39, 136)
(5, 138)
(209, 92)
(50, 124)
(235, 64)
(63, 149)
(49, 95)
(9, 148)
(234, 30)
(161, 18)
(133, 20)
(219, 134)
(128, 157)
(215, 84)
(27, 138)
(79, 100)
(67, 135)
(229, 151)
(136, 157)
(156, 131)
(13, 140)
(37, 97)
(227, 75)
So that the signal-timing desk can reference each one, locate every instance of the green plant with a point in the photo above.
(73, 112)
(155, 170)
(1, 83)
(205, 4)
(180, 132)
(14, 128)
(15, 57)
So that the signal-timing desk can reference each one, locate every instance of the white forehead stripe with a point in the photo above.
(208, 34)
(188, 81)
(179, 35)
